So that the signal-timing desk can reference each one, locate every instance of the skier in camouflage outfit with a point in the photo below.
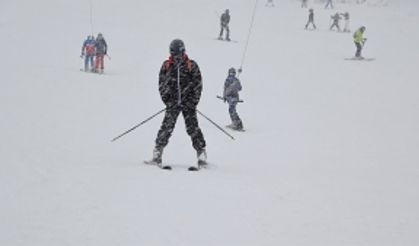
(180, 87)
(232, 86)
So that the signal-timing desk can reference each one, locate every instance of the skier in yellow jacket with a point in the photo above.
(359, 41)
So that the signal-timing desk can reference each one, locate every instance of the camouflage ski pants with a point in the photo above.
(235, 119)
(191, 123)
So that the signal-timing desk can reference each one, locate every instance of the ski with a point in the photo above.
(165, 167)
(235, 129)
(359, 59)
(90, 71)
(229, 40)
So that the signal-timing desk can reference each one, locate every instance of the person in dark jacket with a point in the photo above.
(180, 87)
(225, 20)
(101, 51)
(232, 86)
(336, 18)
(310, 19)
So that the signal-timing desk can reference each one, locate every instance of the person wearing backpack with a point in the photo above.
(180, 88)
(232, 86)
(101, 51)
(225, 20)
(359, 41)
(88, 51)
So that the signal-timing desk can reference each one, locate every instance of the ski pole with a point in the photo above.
(215, 124)
(139, 124)
(108, 57)
(222, 98)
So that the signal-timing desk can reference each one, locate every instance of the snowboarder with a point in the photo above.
(225, 20)
(336, 18)
(232, 86)
(359, 41)
(304, 3)
(101, 51)
(88, 51)
(310, 19)
(329, 3)
(180, 87)
(270, 3)
(346, 18)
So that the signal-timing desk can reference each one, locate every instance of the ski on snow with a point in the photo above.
(201, 164)
(359, 59)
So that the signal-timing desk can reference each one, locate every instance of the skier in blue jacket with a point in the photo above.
(232, 86)
(88, 51)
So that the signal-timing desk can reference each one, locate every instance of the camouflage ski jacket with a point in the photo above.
(180, 83)
(232, 86)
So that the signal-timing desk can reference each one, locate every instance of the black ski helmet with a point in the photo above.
(232, 71)
(177, 47)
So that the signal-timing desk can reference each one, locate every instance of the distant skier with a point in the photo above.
(329, 3)
(346, 18)
(88, 51)
(232, 86)
(310, 19)
(359, 41)
(180, 87)
(270, 3)
(336, 18)
(304, 3)
(225, 20)
(101, 51)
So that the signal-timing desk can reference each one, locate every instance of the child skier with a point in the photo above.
(310, 19)
(88, 51)
(232, 86)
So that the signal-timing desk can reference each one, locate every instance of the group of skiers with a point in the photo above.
(93, 51)
(358, 35)
(180, 87)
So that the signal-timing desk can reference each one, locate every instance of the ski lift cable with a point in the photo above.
(249, 34)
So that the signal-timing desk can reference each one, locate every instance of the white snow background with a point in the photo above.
(330, 155)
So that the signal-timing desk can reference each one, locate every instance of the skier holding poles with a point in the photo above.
(180, 87)
(232, 86)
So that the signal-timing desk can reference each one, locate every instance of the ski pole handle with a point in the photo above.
(222, 98)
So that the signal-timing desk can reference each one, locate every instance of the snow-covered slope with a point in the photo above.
(329, 156)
